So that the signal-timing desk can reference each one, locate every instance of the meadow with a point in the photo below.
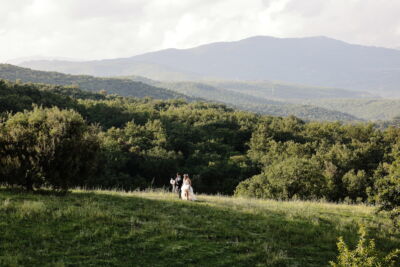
(155, 228)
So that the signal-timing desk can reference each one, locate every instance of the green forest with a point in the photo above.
(109, 141)
(275, 99)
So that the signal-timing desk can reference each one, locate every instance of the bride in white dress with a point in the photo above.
(187, 189)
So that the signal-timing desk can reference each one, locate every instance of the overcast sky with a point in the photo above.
(96, 29)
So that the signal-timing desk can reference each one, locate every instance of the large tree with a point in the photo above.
(47, 147)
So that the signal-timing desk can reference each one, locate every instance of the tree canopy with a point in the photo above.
(111, 141)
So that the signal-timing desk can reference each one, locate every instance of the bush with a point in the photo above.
(388, 196)
(356, 184)
(293, 177)
(364, 255)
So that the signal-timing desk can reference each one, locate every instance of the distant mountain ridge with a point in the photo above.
(365, 108)
(123, 87)
(187, 90)
(218, 91)
(284, 99)
(16, 61)
(317, 61)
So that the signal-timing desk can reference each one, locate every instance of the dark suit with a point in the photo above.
(178, 184)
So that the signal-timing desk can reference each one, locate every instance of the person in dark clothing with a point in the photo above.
(178, 184)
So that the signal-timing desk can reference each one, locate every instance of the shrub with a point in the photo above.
(364, 255)
(356, 184)
(388, 196)
(291, 178)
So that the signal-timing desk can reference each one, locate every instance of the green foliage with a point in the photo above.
(293, 177)
(46, 147)
(143, 142)
(16, 97)
(356, 184)
(388, 192)
(135, 151)
(364, 255)
(345, 158)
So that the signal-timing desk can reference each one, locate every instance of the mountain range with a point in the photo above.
(16, 61)
(315, 78)
(315, 61)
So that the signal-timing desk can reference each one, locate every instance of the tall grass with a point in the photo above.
(155, 228)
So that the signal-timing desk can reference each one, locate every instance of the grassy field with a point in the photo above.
(108, 228)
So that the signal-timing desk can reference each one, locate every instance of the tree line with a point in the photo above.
(61, 137)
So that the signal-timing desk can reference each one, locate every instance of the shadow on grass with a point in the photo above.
(126, 230)
(44, 192)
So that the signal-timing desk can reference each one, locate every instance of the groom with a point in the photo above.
(178, 184)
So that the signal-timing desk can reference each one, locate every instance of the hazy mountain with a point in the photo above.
(367, 109)
(285, 91)
(279, 99)
(254, 90)
(17, 61)
(124, 87)
(113, 67)
(317, 61)
(256, 104)
(213, 91)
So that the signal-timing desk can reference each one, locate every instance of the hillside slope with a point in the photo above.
(286, 91)
(317, 61)
(264, 89)
(87, 228)
(254, 103)
(143, 87)
(367, 109)
(240, 99)
(123, 87)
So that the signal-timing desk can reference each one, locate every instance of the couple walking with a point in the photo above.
(183, 187)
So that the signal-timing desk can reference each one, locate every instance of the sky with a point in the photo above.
(97, 29)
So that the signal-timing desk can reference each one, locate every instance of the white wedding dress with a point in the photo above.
(186, 187)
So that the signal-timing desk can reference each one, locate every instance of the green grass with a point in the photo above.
(108, 228)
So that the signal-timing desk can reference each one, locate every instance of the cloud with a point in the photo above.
(368, 22)
(92, 29)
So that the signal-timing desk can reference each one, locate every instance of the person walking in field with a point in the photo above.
(178, 184)
(187, 189)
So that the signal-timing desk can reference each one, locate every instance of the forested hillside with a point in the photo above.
(367, 109)
(263, 103)
(142, 87)
(264, 89)
(285, 91)
(112, 141)
(123, 87)
(278, 99)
